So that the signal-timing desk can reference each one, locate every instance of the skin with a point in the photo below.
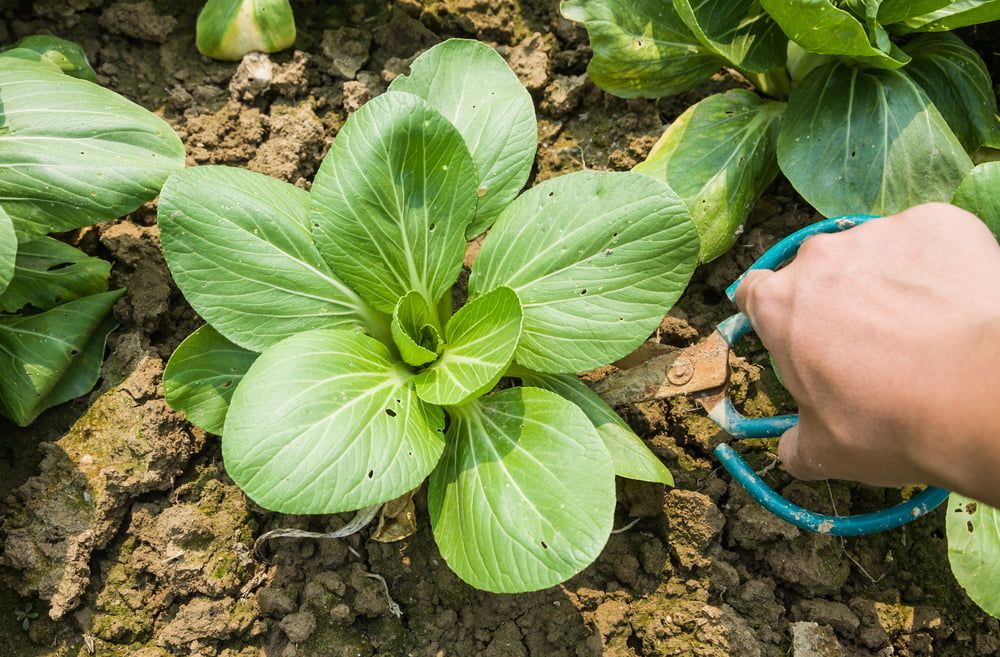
(888, 337)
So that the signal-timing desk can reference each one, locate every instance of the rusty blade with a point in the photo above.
(698, 368)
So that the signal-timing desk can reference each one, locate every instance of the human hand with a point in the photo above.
(888, 337)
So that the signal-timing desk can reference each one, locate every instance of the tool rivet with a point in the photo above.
(681, 371)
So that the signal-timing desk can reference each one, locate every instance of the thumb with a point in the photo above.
(793, 452)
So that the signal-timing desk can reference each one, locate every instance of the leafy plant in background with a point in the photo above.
(856, 119)
(71, 154)
(333, 365)
(66, 56)
(229, 29)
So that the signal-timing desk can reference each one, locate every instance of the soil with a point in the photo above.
(122, 534)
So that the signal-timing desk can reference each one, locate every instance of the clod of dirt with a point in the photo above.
(347, 50)
(530, 62)
(299, 626)
(295, 143)
(231, 135)
(813, 640)
(827, 612)
(275, 602)
(125, 445)
(142, 271)
(563, 95)
(693, 522)
(402, 36)
(489, 20)
(252, 77)
(203, 619)
(690, 627)
(138, 20)
(751, 525)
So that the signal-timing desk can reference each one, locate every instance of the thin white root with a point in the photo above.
(393, 607)
(361, 520)
(627, 527)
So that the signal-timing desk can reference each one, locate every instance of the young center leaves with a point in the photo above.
(334, 365)
(229, 29)
(72, 154)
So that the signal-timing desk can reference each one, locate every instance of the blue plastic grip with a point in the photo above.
(869, 523)
(733, 422)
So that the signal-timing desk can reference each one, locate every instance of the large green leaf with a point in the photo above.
(392, 200)
(631, 457)
(472, 86)
(73, 153)
(8, 252)
(823, 27)
(229, 29)
(955, 78)
(239, 247)
(719, 156)
(738, 30)
(867, 141)
(325, 422)
(974, 550)
(48, 272)
(596, 258)
(202, 375)
(642, 48)
(953, 15)
(481, 338)
(37, 351)
(415, 330)
(979, 193)
(524, 496)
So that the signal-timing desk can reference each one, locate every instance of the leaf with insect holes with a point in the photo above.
(883, 144)
(642, 48)
(326, 421)
(596, 258)
(480, 342)
(392, 200)
(974, 549)
(202, 375)
(524, 495)
(474, 88)
(719, 156)
(74, 153)
(48, 272)
(38, 351)
(239, 247)
(631, 457)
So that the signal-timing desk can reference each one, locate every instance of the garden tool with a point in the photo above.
(702, 371)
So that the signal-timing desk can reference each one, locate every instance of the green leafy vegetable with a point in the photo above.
(524, 495)
(596, 260)
(481, 339)
(48, 272)
(974, 550)
(71, 154)
(37, 351)
(66, 55)
(229, 29)
(740, 31)
(642, 48)
(74, 153)
(979, 193)
(630, 456)
(883, 145)
(499, 127)
(719, 156)
(346, 406)
(952, 15)
(202, 375)
(392, 200)
(955, 78)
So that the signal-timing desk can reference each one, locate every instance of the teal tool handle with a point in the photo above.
(733, 422)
